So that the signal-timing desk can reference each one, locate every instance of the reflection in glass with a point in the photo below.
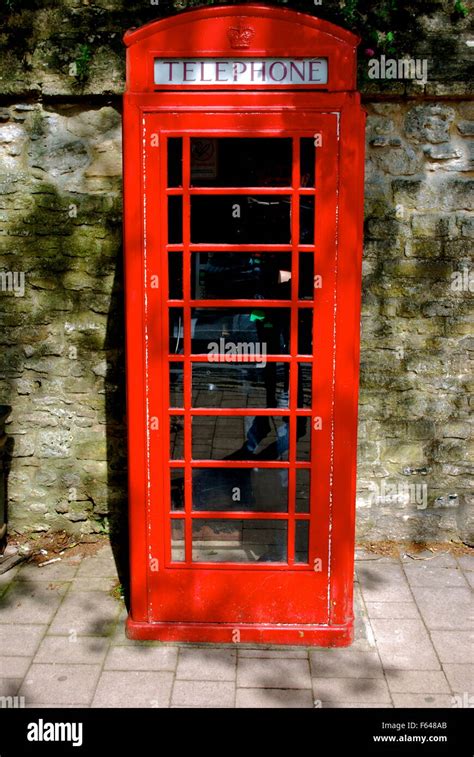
(241, 162)
(240, 437)
(175, 161)
(240, 385)
(176, 330)
(175, 219)
(306, 276)
(302, 490)
(307, 157)
(303, 434)
(176, 437)
(177, 488)
(243, 332)
(304, 385)
(241, 219)
(176, 384)
(241, 275)
(177, 540)
(302, 541)
(241, 541)
(253, 489)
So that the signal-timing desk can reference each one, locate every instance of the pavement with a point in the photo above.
(62, 644)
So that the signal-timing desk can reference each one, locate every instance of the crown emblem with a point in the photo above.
(240, 36)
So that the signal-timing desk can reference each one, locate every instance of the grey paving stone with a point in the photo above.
(93, 583)
(356, 705)
(437, 559)
(46, 683)
(97, 566)
(453, 646)
(466, 562)
(58, 571)
(445, 609)
(428, 575)
(392, 610)
(345, 663)
(27, 603)
(275, 698)
(404, 644)
(469, 576)
(87, 613)
(350, 690)
(131, 688)
(204, 693)
(417, 682)
(9, 686)
(273, 674)
(141, 658)
(441, 701)
(20, 640)
(460, 677)
(13, 667)
(301, 654)
(72, 649)
(207, 664)
(385, 583)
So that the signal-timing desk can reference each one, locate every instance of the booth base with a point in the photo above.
(221, 633)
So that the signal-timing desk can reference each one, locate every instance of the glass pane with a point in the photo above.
(303, 433)
(237, 385)
(302, 490)
(241, 162)
(240, 437)
(240, 219)
(175, 162)
(177, 488)
(302, 541)
(176, 437)
(177, 540)
(175, 275)
(175, 220)
(242, 332)
(176, 330)
(307, 156)
(306, 220)
(176, 384)
(306, 276)
(304, 385)
(241, 275)
(254, 489)
(305, 332)
(240, 541)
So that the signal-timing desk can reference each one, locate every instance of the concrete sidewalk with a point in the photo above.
(62, 644)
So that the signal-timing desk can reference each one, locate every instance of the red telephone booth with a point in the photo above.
(243, 234)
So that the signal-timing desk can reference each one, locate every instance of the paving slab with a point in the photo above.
(63, 684)
(383, 583)
(13, 667)
(404, 644)
(460, 677)
(442, 701)
(21, 639)
(445, 609)
(428, 575)
(351, 690)
(65, 570)
(392, 610)
(86, 613)
(345, 663)
(466, 562)
(26, 603)
(207, 664)
(9, 686)
(204, 694)
(275, 698)
(133, 688)
(72, 650)
(454, 646)
(417, 682)
(273, 674)
(142, 658)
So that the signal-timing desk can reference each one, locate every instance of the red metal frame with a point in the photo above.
(211, 601)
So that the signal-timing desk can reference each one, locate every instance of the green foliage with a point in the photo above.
(82, 63)
(460, 9)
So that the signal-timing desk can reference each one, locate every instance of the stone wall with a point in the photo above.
(61, 358)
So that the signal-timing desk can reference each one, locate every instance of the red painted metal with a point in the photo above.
(278, 602)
